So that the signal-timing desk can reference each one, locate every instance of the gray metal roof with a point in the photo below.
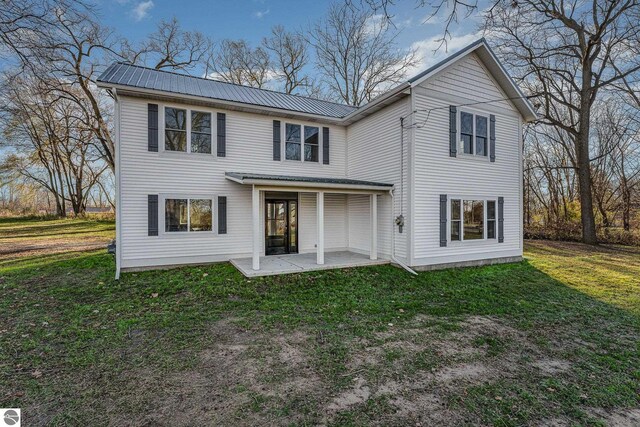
(135, 76)
(240, 176)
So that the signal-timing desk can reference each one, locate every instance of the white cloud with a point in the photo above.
(430, 51)
(141, 10)
(261, 13)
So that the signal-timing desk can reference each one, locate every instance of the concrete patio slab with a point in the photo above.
(297, 263)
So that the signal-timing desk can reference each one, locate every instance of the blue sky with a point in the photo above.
(252, 20)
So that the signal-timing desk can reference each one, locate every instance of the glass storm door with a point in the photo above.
(281, 227)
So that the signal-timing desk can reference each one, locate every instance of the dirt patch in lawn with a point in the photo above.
(244, 376)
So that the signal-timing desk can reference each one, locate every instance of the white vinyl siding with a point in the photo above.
(470, 177)
(374, 154)
(249, 148)
(369, 149)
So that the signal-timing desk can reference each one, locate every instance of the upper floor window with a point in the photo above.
(200, 132)
(175, 129)
(292, 141)
(181, 135)
(302, 142)
(311, 143)
(474, 133)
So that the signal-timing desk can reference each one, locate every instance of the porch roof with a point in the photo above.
(306, 181)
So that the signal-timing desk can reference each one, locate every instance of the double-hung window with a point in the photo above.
(175, 129)
(302, 142)
(311, 143)
(188, 131)
(200, 132)
(472, 219)
(188, 215)
(292, 141)
(491, 219)
(474, 133)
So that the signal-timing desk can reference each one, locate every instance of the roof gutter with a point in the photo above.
(305, 184)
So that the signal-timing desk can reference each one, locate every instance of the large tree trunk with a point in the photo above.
(584, 180)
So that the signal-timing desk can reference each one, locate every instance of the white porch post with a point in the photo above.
(255, 208)
(373, 253)
(320, 226)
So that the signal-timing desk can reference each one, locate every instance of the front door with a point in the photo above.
(281, 227)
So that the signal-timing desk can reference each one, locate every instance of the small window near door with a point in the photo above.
(293, 141)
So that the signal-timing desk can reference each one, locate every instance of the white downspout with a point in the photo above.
(393, 239)
(117, 181)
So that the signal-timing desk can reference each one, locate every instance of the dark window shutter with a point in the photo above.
(443, 220)
(222, 215)
(453, 131)
(152, 113)
(152, 203)
(500, 219)
(222, 134)
(325, 146)
(276, 140)
(492, 138)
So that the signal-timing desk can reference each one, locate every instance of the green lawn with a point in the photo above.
(554, 339)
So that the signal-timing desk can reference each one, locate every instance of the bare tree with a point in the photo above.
(61, 45)
(451, 11)
(50, 137)
(565, 54)
(235, 61)
(170, 47)
(357, 55)
(290, 51)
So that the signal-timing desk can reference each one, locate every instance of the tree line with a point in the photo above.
(57, 129)
(577, 62)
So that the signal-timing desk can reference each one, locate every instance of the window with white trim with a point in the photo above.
(311, 143)
(175, 129)
(200, 132)
(474, 134)
(188, 215)
(491, 219)
(292, 140)
(302, 142)
(188, 131)
(472, 219)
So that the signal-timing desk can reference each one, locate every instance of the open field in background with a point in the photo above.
(554, 340)
(21, 238)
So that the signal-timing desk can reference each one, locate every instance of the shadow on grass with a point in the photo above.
(92, 320)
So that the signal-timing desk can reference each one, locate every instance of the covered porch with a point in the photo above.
(298, 263)
(272, 221)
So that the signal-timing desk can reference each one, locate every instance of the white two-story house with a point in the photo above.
(429, 174)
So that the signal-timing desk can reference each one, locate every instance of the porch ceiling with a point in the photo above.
(306, 181)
